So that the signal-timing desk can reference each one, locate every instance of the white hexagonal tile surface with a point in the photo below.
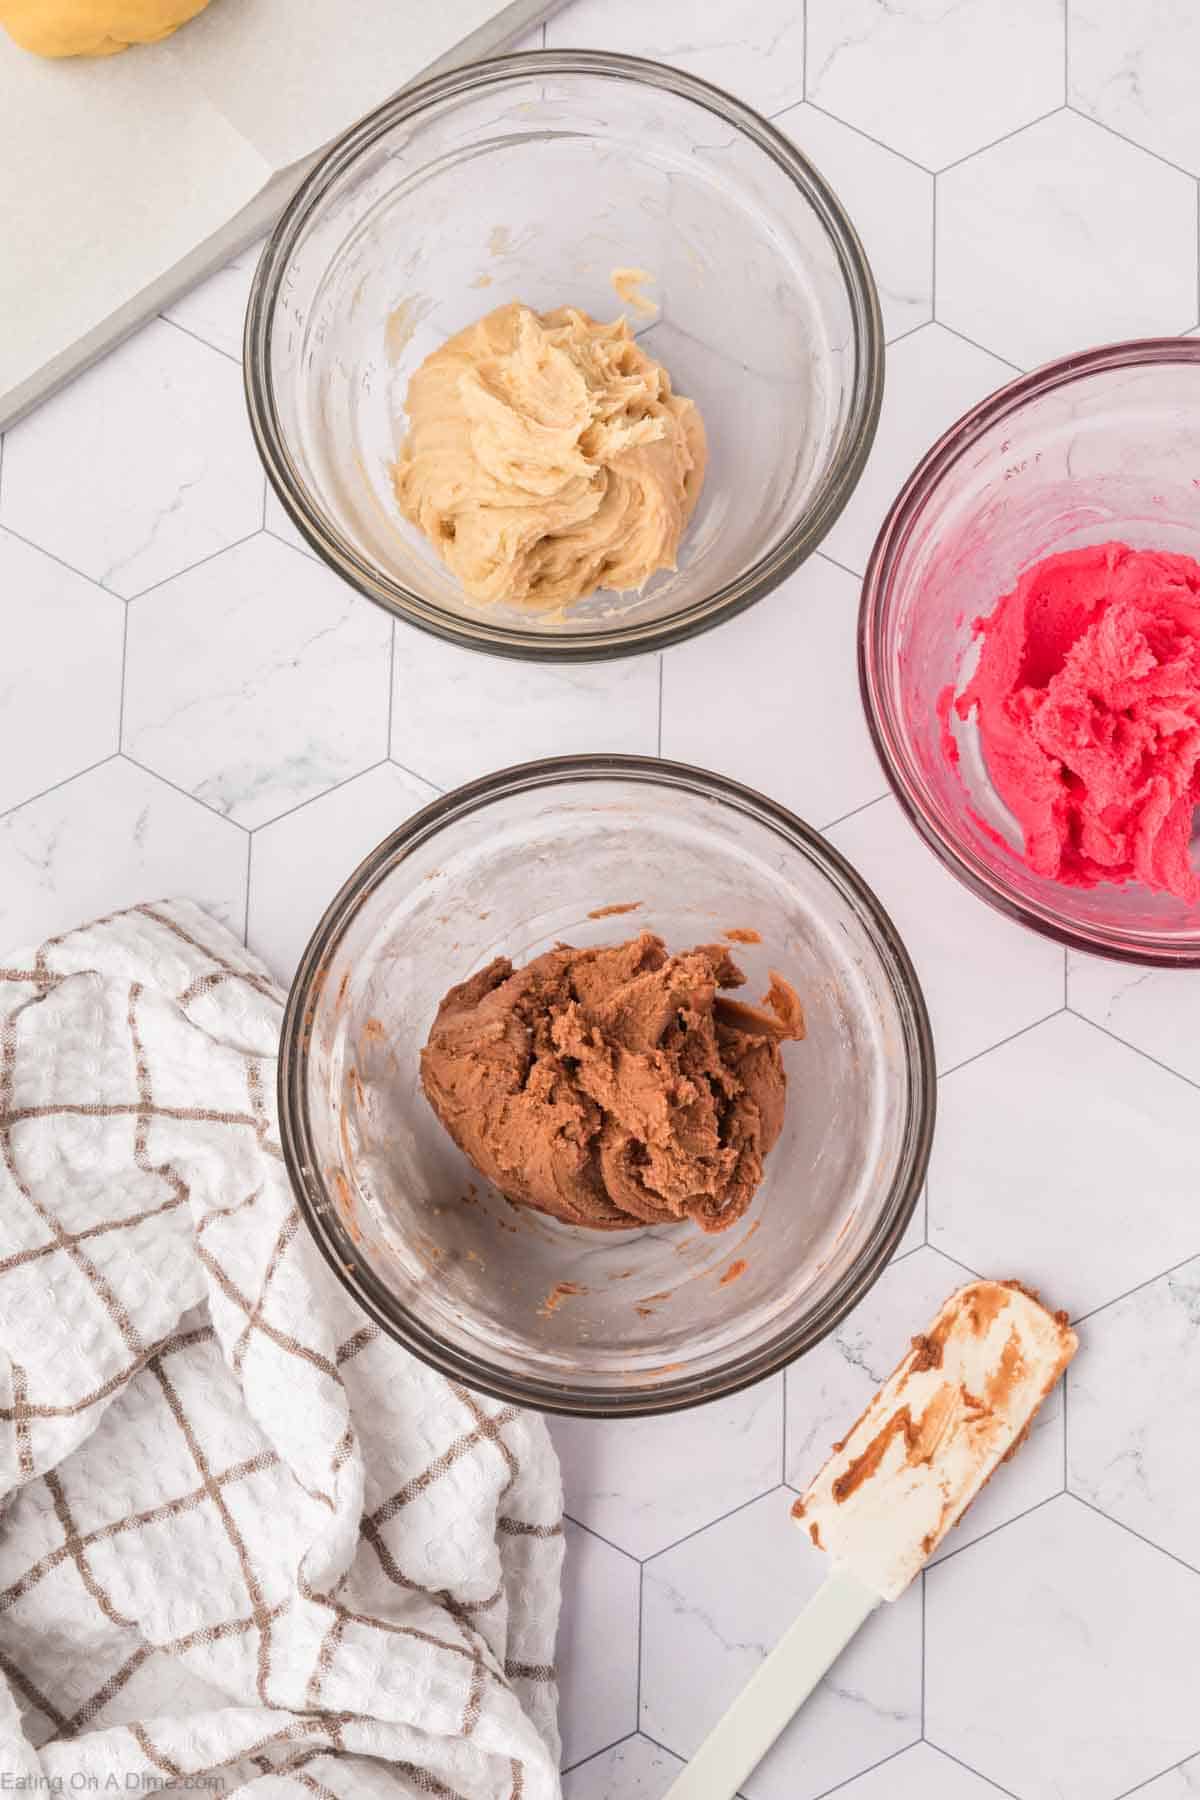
(63, 632)
(457, 714)
(215, 311)
(597, 1675)
(1053, 1664)
(108, 839)
(256, 681)
(712, 1608)
(1132, 1398)
(142, 467)
(801, 737)
(933, 377)
(696, 1465)
(299, 862)
(1155, 1010)
(757, 52)
(1064, 236)
(890, 203)
(634, 1770)
(934, 81)
(1040, 1167)
(1182, 1783)
(832, 1385)
(921, 1773)
(1130, 67)
(983, 978)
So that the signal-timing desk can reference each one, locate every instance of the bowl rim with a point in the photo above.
(606, 641)
(877, 695)
(333, 1239)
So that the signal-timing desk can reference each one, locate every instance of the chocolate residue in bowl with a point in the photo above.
(619, 906)
(562, 1290)
(742, 934)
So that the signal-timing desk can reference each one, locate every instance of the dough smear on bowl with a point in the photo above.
(614, 1087)
(547, 456)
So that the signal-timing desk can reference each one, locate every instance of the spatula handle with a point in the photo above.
(777, 1690)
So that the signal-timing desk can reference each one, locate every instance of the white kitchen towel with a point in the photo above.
(247, 1541)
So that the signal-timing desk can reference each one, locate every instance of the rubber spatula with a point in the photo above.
(960, 1403)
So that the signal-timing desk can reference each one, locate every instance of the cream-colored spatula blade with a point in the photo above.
(959, 1404)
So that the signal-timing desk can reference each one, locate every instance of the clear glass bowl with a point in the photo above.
(531, 178)
(1104, 445)
(653, 1319)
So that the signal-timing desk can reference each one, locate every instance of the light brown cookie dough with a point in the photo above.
(547, 456)
(614, 1087)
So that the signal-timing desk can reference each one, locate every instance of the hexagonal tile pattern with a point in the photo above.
(64, 633)
(1182, 1783)
(457, 714)
(921, 1773)
(597, 1688)
(890, 205)
(107, 839)
(1039, 1167)
(215, 311)
(715, 1605)
(256, 681)
(142, 467)
(934, 81)
(933, 377)
(983, 978)
(694, 1466)
(833, 1383)
(1155, 1010)
(1130, 67)
(756, 52)
(299, 862)
(1131, 1400)
(1105, 233)
(804, 740)
(634, 1770)
(1076, 1689)
(279, 525)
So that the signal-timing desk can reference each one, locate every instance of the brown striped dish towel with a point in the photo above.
(248, 1544)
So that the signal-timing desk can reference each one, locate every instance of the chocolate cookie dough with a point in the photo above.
(614, 1087)
(547, 456)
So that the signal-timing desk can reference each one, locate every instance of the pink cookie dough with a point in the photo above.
(1087, 696)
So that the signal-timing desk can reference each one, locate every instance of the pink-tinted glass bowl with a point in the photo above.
(1103, 445)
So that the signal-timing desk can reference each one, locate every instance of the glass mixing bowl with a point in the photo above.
(532, 178)
(1104, 445)
(519, 1305)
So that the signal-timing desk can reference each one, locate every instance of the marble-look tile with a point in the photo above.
(458, 714)
(215, 310)
(715, 1605)
(1182, 1783)
(932, 80)
(690, 1467)
(1068, 1161)
(1133, 68)
(1055, 1657)
(798, 734)
(1064, 236)
(1155, 1010)
(63, 635)
(983, 977)
(756, 52)
(1131, 1399)
(597, 1646)
(933, 377)
(828, 1389)
(921, 1773)
(279, 525)
(299, 862)
(108, 839)
(634, 1770)
(890, 205)
(141, 467)
(256, 681)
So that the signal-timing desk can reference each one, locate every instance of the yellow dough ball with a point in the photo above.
(93, 27)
